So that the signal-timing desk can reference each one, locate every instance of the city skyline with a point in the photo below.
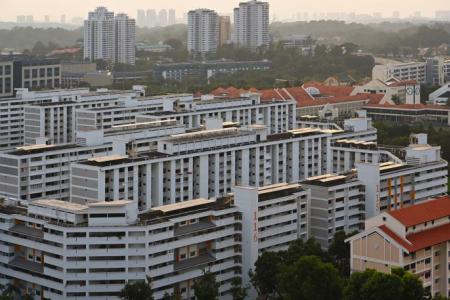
(280, 9)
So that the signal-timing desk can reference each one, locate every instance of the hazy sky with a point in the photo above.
(281, 8)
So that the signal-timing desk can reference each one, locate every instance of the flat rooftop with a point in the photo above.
(40, 148)
(327, 180)
(207, 135)
(182, 205)
(61, 205)
(278, 190)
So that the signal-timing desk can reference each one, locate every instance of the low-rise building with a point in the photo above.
(410, 114)
(205, 70)
(395, 91)
(21, 71)
(415, 238)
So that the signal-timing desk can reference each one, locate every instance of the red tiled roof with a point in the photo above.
(329, 94)
(396, 238)
(422, 239)
(430, 237)
(423, 212)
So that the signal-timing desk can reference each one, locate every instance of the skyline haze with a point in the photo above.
(282, 9)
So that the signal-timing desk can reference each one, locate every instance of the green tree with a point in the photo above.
(309, 278)
(138, 290)
(339, 251)
(373, 285)
(206, 287)
(238, 292)
(263, 278)
(299, 248)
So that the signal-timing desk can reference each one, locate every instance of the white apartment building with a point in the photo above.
(392, 185)
(42, 171)
(251, 24)
(337, 204)
(203, 31)
(99, 35)
(109, 38)
(272, 217)
(202, 164)
(403, 71)
(278, 116)
(124, 40)
(61, 250)
(57, 122)
(12, 112)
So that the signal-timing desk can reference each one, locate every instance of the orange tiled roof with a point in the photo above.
(422, 239)
(396, 238)
(430, 237)
(423, 212)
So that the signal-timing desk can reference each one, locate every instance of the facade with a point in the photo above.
(203, 32)
(124, 40)
(203, 71)
(278, 116)
(251, 24)
(12, 112)
(56, 122)
(109, 38)
(6, 78)
(224, 30)
(403, 71)
(337, 204)
(99, 35)
(415, 238)
(440, 96)
(272, 217)
(42, 171)
(395, 91)
(62, 250)
(202, 164)
(410, 114)
(19, 71)
(391, 185)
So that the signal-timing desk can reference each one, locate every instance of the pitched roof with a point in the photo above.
(422, 239)
(395, 237)
(423, 212)
(430, 237)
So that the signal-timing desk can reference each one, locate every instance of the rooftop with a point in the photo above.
(327, 180)
(423, 212)
(61, 205)
(40, 148)
(182, 205)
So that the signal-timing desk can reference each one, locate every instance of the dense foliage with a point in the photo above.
(305, 272)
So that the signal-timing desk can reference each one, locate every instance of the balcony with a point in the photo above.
(30, 266)
(202, 225)
(194, 262)
(28, 231)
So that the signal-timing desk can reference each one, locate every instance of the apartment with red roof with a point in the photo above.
(416, 238)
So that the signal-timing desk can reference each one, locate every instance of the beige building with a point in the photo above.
(224, 30)
(416, 238)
